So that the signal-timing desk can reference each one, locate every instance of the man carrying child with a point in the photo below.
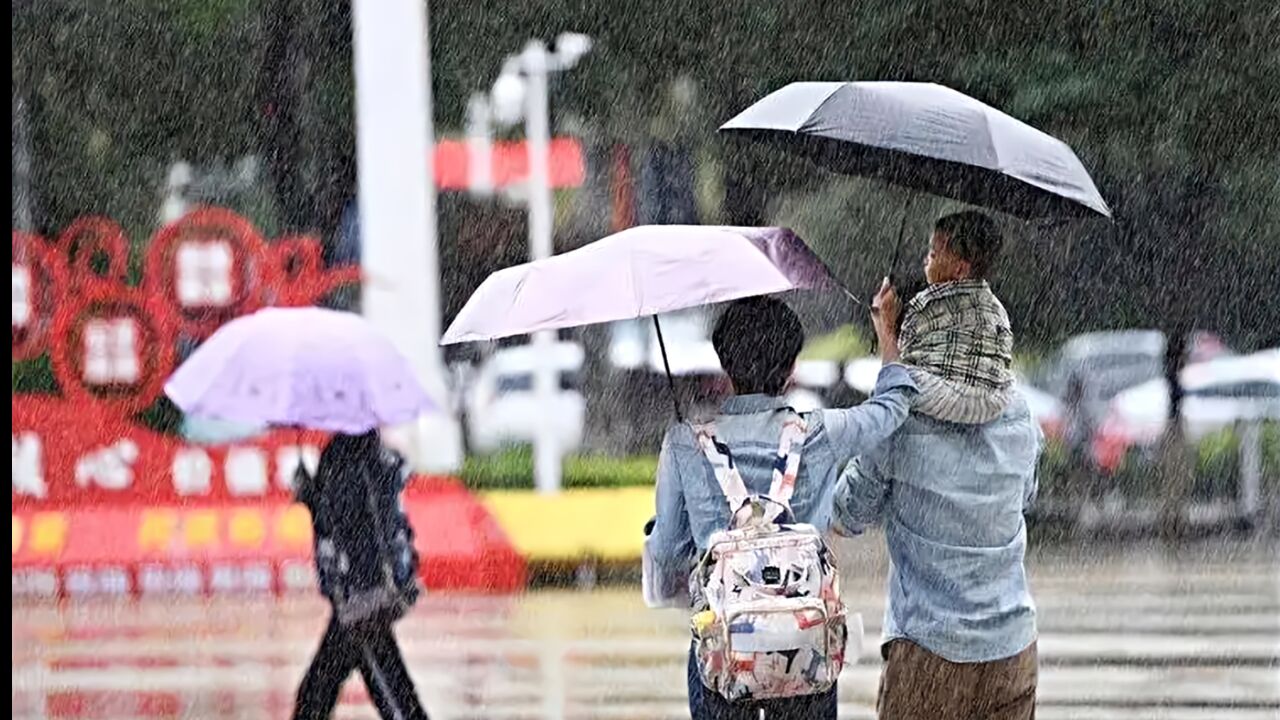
(950, 487)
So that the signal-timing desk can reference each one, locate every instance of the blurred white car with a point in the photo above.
(1045, 408)
(1111, 361)
(690, 352)
(686, 333)
(502, 409)
(861, 374)
(804, 400)
(1218, 394)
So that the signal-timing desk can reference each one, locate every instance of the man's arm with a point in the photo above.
(1033, 476)
(670, 543)
(857, 430)
(861, 493)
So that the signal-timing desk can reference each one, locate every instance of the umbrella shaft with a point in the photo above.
(902, 233)
(666, 364)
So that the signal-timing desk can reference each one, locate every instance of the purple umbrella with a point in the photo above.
(642, 271)
(300, 367)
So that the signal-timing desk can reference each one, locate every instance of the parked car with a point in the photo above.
(691, 354)
(1218, 394)
(503, 410)
(1109, 362)
(1044, 407)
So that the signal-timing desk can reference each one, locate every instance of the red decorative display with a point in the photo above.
(88, 240)
(81, 453)
(39, 285)
(300, 276)
(210, 267)
(262, 547)
(104, 505)
(111, 345)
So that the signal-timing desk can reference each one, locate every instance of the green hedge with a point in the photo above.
(34, 377)
(513, 469)
(1217, 462)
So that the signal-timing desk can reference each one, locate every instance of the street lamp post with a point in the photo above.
(479, 146)
(522, 90)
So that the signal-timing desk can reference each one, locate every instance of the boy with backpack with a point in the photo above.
(368, 570)
(743, 501)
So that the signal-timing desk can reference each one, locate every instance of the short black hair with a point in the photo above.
(974, 237)
(758, 340)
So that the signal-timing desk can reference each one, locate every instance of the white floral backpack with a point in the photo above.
(767, 620)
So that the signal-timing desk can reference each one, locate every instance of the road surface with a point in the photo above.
(1126, 632)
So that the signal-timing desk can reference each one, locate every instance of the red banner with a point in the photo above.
(509, 164)
(81, 454)
(102, 506)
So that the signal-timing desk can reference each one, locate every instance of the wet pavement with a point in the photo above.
(1133, 631)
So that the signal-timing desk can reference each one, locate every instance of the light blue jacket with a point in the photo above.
(951, 499)
(690, 503)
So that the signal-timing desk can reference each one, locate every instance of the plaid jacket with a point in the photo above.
(957, 338)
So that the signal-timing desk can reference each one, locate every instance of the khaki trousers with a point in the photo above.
(918, 685)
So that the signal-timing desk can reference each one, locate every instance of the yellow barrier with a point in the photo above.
(605, 523)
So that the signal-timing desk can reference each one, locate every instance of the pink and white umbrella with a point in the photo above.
(642, 271)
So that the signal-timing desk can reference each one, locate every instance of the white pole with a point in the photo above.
(546, 456)
(181, 176)
(395, 144)
(1250, 472)
(479, 146)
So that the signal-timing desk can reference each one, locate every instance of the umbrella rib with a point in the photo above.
(991, 139)
(635, 291)
(818, 108)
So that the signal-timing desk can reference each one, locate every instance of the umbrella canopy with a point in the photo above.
(300, 367)
(926, 137)
(641, 271)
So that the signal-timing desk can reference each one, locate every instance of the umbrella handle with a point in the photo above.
(856, 300)
(666, 364)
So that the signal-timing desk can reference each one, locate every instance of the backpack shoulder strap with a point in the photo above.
(379, 530)
(726, 471)
(786, 465)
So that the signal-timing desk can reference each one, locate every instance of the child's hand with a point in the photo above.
(884, 316)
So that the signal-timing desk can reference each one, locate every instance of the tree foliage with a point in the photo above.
(1172, 104)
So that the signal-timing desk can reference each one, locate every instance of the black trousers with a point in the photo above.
(372, 649)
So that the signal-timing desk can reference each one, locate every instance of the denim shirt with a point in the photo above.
(951, 499)
(691, 505)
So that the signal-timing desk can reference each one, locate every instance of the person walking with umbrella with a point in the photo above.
(367, 568)
(307, 368)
